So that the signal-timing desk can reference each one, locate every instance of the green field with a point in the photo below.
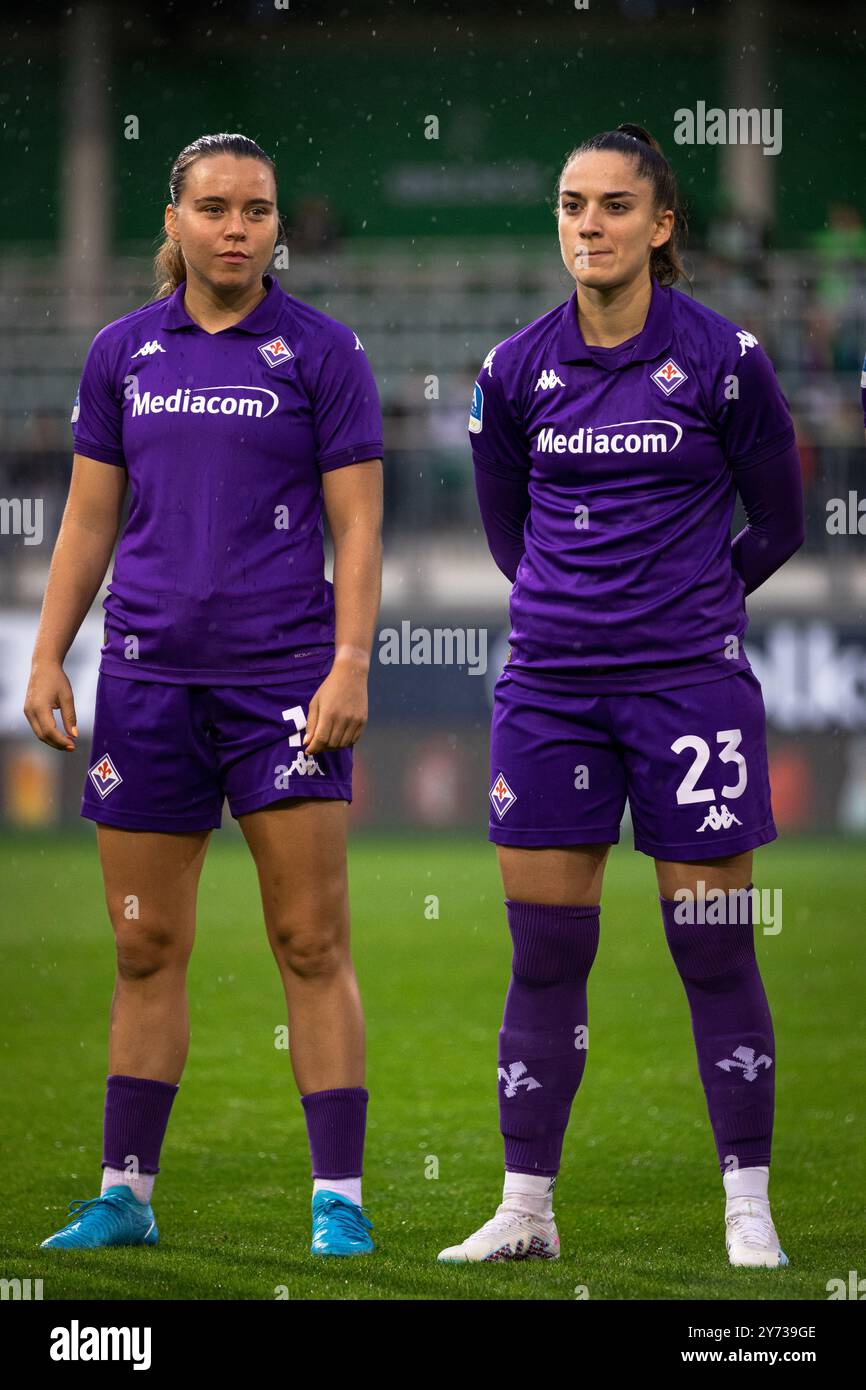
(640, 1202)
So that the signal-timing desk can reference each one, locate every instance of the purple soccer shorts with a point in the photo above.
(691, 761)
(163, 756)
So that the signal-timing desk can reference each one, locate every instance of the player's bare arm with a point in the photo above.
(88, 531)
(353, 505)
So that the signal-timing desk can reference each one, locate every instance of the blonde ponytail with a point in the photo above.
(169, 267)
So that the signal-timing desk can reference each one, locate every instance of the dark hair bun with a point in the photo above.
(637, 132)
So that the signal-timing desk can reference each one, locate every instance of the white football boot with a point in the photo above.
(750, 1236)
(511, 1234)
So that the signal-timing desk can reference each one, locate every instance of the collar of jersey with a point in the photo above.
(654, 339)
(264, 318)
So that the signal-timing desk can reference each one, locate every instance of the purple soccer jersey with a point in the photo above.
(631, 457)
(219, 574)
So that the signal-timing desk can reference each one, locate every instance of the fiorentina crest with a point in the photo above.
(277, 350)
(104, 776)
(669, 376)
(502, 796)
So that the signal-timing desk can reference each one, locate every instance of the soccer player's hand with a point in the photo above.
(48, 690)
(338, 710)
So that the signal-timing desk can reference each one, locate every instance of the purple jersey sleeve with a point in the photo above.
(772, 493)
(500, 455)
(498, 443)
(97, 416)
(757, 437)
(504, 506)
(753, 416)
(347, 416)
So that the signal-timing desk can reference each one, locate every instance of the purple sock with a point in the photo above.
(732, 1026)
(336, 1121)
(136, 1116)
(542, 1042)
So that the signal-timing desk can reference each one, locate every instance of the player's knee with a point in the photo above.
(553, 945)
(311, 943)
(143, 949)
(707, 951)
(311, 956)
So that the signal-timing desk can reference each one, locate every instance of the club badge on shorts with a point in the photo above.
(501, 795)
(104, 776)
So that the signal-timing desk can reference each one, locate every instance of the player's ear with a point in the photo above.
(664, 228)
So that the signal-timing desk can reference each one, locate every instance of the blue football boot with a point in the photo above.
(115, 1218)
(339, 1226)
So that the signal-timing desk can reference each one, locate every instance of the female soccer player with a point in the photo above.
(230, 666)
(609, 439)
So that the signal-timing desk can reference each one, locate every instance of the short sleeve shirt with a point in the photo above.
(219, 573)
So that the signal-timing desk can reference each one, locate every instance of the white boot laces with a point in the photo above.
(752, 1225)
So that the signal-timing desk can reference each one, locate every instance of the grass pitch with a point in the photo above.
(639, 1202)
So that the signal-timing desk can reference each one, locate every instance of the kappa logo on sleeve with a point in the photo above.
(104, 776)
(476, 410)
(276, 351)
(76, 409)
